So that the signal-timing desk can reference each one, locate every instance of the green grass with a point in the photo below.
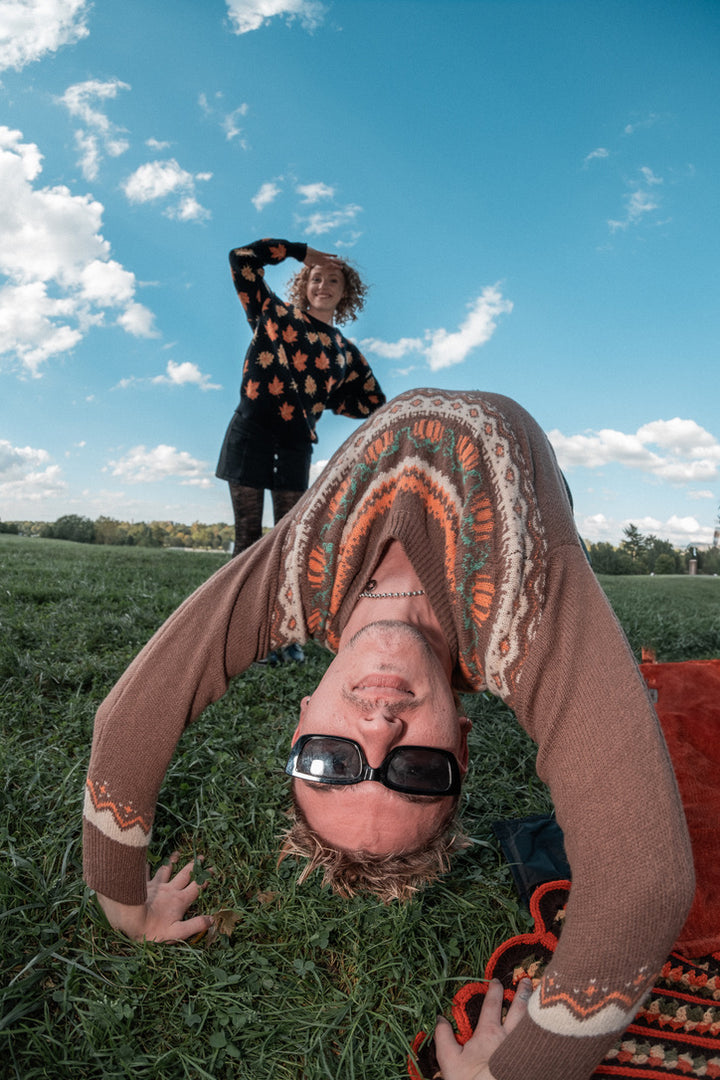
(678, 616)
(307, 985)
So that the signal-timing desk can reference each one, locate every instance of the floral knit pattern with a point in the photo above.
(451, 461)
(296, 366)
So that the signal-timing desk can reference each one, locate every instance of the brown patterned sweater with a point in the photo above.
(469, 485)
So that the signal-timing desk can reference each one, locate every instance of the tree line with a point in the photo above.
(107, 530)
(636, 554)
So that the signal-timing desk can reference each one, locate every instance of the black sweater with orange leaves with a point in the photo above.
(296, 365)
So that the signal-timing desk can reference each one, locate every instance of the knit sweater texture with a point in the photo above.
(469, 485)
(296, 365)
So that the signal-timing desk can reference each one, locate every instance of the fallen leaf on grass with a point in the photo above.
(223, 923)
(266, 897)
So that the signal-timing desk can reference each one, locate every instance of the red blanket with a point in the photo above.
(688, 705)
(677, 1031)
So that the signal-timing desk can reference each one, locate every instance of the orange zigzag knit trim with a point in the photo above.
(125, 817)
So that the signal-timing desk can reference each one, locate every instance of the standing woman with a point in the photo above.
(298, 364)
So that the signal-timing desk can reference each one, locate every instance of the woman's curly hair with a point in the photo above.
(388, 877)
(353, 299)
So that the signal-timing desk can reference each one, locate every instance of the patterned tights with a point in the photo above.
(247, 504)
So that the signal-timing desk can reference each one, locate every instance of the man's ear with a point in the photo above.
(303, 706)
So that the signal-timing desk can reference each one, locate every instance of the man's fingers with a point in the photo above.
(164, 873)
(189, 927)
(447, 1048)
(491, 1012)
(183, 929)
(183, 878)
(472, 1058)
(519, 1005)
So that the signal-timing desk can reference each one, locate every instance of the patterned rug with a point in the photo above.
(676, 1033)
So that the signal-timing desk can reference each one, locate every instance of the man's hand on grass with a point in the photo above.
(161, 917)
(470, 1062)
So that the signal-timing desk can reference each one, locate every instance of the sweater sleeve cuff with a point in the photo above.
(114, 870)
(297, 251)
(532, 1053)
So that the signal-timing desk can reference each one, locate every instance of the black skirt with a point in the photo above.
(252, 456)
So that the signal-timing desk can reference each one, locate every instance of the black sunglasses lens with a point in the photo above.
(325, 758)
(420, 770)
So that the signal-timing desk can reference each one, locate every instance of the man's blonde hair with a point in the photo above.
(388, 877)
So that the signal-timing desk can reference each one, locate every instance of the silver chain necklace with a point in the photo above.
(368, 593)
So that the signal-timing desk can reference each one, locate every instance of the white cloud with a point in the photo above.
(392, 350)
(107, 283)
(684, 526)
(648, 121)
(319, 223)
(80, 101)
(442, 348)
(316, 468)
(350, 240)
(247, 15)
(137, 320)
(683, 451)
(28, 325)
(156, 180)
(230, 124)
(31, 28)
(601, 152)
(266, 194)
(638, 202)
(595, 450)
(159, 180)
(649, 175)
(26, 474)
(679, 531)
(697, 496)
(56, 276)
(228, 121)
(157, 144)
(188, 209)
(680, 436)
(16, 460)
(447, 349)
(80, 97)
(142, 466)
(184, 374)
(312, 193)
(90, 156)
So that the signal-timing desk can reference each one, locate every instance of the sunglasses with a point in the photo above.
(413, 770)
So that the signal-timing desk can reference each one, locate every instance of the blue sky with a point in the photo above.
(530, 188)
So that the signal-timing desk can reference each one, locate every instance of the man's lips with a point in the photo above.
(384, 681)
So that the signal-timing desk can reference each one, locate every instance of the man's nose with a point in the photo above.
(379, 730)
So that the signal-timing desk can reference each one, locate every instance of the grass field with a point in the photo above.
(307, 985)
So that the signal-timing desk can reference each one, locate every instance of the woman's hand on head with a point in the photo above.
(470, 1062)
(319, 258)
(161, 917)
